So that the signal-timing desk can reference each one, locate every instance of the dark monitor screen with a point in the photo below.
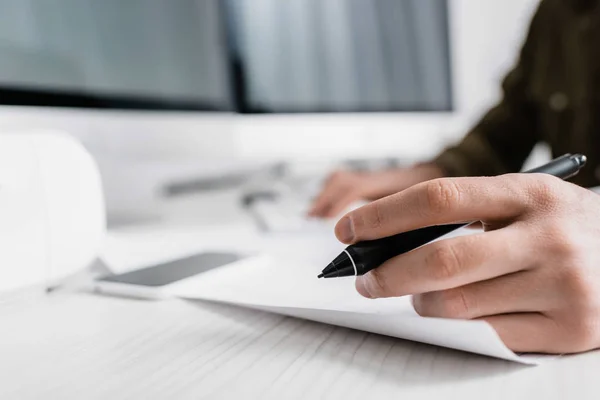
(249, 56)
(341, 55)
(141, 54)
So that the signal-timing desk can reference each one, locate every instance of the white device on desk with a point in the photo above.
(153, 282)
(52, 218)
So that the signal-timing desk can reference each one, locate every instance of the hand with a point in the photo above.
(534, 274)
(342, 188)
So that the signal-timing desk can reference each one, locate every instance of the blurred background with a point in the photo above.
(189, 104)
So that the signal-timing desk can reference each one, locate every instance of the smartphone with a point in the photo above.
(152, 282)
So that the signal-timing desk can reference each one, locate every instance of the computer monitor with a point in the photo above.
(144, 84)
(112, 54)
(425, 70)
(300, 74)
(311, 56)
(162, 80)
(343, 78)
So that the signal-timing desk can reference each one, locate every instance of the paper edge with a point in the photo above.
(300, 312)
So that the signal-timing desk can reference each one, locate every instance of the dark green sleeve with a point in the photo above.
(502, 140)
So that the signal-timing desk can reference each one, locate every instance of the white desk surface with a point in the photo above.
(72, 345)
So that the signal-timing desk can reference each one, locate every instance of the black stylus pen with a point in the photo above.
(362, 257)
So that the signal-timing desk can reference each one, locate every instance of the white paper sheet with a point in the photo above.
(285, 283)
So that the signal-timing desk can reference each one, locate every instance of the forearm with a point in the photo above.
(502, 140)
(499, 144)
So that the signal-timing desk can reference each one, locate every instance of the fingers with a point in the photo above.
(529, 332)
(327, 200)
(515, 293)
(334, 198)
(441, 201)
(448, 264)
(341, 204)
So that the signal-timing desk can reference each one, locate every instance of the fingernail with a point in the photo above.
(361, 287)
(345, 230)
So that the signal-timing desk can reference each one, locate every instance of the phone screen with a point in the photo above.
(173, 271)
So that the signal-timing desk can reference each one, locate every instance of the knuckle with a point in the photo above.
(584, 334)
(581, 294)
(376, 218)
(442, 263)
(370, 218)
(443, 195)
(457, 305)
(543, 191)
(556, 240)
(563, 248)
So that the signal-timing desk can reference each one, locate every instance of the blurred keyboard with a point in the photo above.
(285, 216)
(282, 205)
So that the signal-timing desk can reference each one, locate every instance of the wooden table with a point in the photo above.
(74, 345)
